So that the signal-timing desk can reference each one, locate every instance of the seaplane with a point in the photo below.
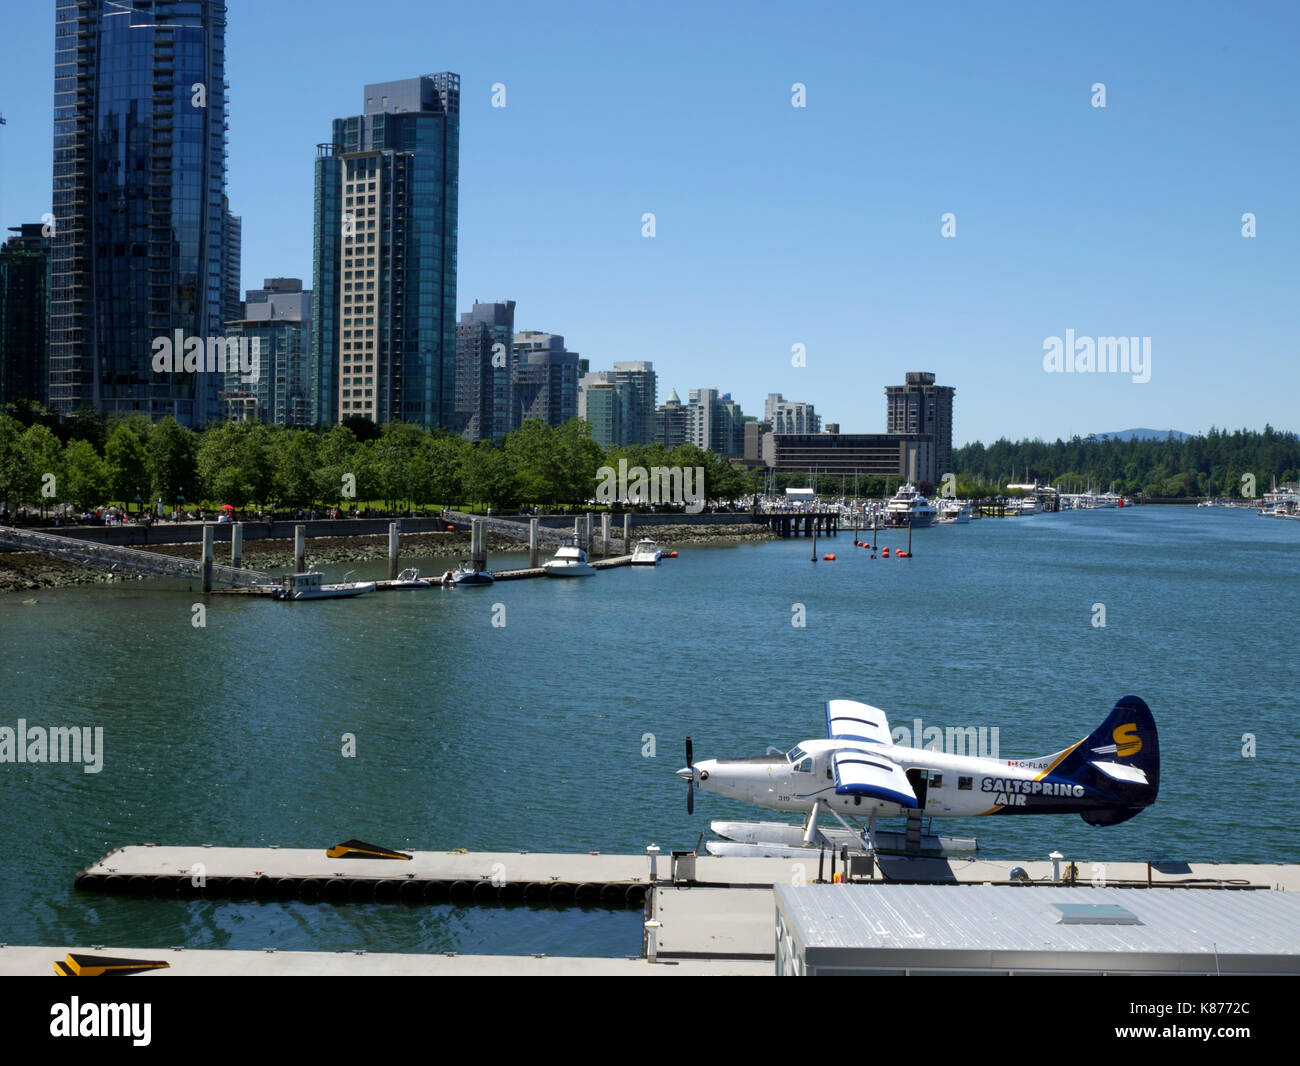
(856, 772)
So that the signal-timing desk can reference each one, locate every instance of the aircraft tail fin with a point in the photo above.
(1121, 757)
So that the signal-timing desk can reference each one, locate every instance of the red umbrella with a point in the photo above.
(226, 507)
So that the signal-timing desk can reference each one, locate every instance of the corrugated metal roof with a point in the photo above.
(995, 918)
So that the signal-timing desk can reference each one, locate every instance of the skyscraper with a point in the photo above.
(921, 406)
(139, 243)
(485, 370)
(24, 314)
(387, 190)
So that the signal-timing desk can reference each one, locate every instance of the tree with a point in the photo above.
(87, 475)
(18, 475)
(46, 455)
(171, 461)
(126, 459)
(294, 457)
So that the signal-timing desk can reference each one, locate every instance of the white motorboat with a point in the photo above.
(465, 575)
(411, 579)
(909, 507)
(311, 586)
(646, 553)
(954, 513)
(569, 561)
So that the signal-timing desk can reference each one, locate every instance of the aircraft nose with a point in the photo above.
(687, 773)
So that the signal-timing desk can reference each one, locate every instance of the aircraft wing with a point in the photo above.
(862, 772)
(851, 720)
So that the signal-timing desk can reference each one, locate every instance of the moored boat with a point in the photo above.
(311, 586)
(569, 561)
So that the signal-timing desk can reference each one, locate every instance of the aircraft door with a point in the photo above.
(919, 778)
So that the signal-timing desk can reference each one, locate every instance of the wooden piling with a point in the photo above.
(394, 536)
(299, 549)
(627, 532)
(207, 558)
(604, 535)
(532, 543)
(237, 545)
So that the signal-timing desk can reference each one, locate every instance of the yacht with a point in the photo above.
(310, 586)
(569, 561)
(646, 553)
(1024, 505)
(954, 513)
(909, 507)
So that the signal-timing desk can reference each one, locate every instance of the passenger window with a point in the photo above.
(936, 780)
(964, 783)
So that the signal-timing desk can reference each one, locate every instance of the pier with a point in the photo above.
(787, 524)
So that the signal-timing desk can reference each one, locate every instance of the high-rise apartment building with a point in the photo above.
(715, 422)
(641, 391)
(545, 379)
(387, 192)
(485, 370)
(278, 318)
(672, 422)
(24, 315)
(921, 406)
(603, 402)
(787, 416)
(140, 224)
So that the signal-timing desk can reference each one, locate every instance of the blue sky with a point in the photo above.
(820, 225)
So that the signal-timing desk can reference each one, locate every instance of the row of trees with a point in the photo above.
(251, 464)
(86, 462)
(1209, 465)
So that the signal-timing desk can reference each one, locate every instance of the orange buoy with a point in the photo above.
(828, 558)
(903, 554)
(884, 553)
(672, 555)
(451, 529)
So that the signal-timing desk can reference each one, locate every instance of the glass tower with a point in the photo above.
(139, 178)
(384, 317)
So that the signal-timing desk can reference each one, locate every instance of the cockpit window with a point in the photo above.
(795, 754)
(804, 767)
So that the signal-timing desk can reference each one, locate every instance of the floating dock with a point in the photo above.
(710, 914)
(16, 961)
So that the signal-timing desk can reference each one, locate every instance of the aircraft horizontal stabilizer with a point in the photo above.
(1117, 772)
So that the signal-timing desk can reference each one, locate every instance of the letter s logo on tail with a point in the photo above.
(1126, 740)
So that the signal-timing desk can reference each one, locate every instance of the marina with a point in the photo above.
(412, 747)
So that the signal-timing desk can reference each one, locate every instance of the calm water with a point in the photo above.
(530, 736)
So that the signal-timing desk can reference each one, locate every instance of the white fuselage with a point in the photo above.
(957, 786)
